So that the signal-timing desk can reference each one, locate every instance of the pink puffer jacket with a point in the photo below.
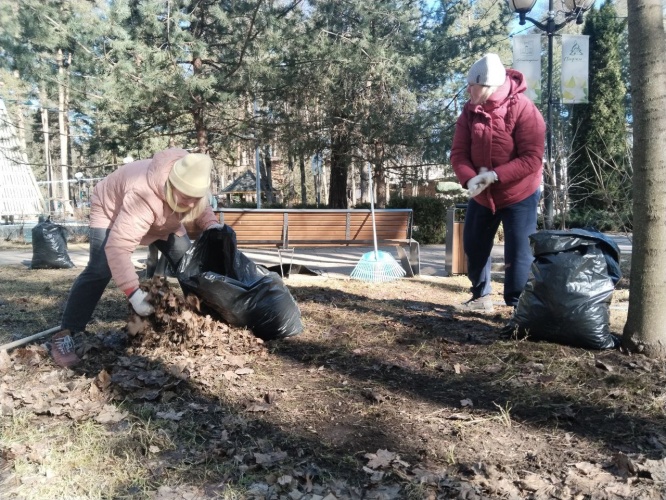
(131, 202)
(505, 134)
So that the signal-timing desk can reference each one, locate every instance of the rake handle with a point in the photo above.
(26, 340)
(372, 209)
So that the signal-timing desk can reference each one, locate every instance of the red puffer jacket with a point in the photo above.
(505, 134)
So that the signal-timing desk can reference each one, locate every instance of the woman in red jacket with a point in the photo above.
(497, 154)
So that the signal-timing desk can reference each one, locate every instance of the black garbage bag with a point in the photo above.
(233, 286)
(49, 246)
(568, 293)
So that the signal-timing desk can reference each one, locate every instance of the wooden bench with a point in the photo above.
(287, 229)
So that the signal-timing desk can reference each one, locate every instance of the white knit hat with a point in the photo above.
(191, 175)
(488, 71)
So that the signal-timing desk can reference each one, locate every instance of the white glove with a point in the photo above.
(480, 182)
(139, 301)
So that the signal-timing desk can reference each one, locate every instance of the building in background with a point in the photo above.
(20, 197)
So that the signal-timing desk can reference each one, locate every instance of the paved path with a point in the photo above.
(337, 262)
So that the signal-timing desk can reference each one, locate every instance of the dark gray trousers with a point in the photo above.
(91, 283)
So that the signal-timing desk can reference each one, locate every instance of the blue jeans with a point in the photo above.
(91, 283)
(481, 224)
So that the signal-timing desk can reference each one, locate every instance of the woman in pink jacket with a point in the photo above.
(143, 202)
(497, 154)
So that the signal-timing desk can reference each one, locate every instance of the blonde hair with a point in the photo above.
(189, 214)
(487, 92)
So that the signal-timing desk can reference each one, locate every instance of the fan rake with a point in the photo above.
(376, 266)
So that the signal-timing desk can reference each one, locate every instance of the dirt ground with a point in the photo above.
(387, 393)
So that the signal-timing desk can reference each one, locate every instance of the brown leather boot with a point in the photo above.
(62, 349)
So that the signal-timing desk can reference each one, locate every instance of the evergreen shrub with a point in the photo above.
(429, 217)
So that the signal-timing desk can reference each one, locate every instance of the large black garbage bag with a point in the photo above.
(568, 293)
(49, 246)
(233, 286)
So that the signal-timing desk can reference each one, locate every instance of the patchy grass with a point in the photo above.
(388, 393)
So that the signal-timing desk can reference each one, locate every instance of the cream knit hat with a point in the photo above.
(191, 175)
(487, 71)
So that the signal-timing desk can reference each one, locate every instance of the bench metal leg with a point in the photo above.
(404, 262)
(289, 251)
(411, 263)
(415, 257)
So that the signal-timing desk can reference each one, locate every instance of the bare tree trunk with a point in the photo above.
(340, 161)
(198, 113)
(267, 174)
(379, 177)
(62, 128)
(645, 329)
(365, 196)
(51, 190)
(304, 190)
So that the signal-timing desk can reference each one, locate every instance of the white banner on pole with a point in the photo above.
(575, 68)
(527, 60)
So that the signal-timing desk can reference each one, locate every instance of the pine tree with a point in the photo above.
(598, 169)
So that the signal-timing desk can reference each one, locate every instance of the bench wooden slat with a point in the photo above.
(289, 228)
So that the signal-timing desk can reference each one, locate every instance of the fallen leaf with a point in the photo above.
(103, 380)
(267, 459)
(244, 371)
(110, 415)
(373, 396)
(136, 325)
(284, 480)
(5, 361)
(603, 366)
(259, 407)
(170, 415)
(624, 464)
(382, 458)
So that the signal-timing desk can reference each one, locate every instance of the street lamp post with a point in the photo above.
(575, 10)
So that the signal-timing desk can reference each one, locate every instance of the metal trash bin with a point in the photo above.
(455, 260)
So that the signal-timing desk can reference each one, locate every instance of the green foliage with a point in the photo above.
(600, 140)
(429, 217)
(377, 83)
(600, 220)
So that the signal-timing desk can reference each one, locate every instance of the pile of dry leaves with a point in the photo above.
(389, 393)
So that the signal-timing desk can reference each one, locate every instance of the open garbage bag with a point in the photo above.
(568, 293)
(49, 246)
(233, 286)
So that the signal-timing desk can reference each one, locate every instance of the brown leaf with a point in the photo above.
(103, 380)
(267, 459)
(382, 458)
(170, 415)
(136, 325)
(603, 366)
(244, 371)
(373, 396)
(110, 415)
(625, 465)
(259, 407)
(5, 361)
